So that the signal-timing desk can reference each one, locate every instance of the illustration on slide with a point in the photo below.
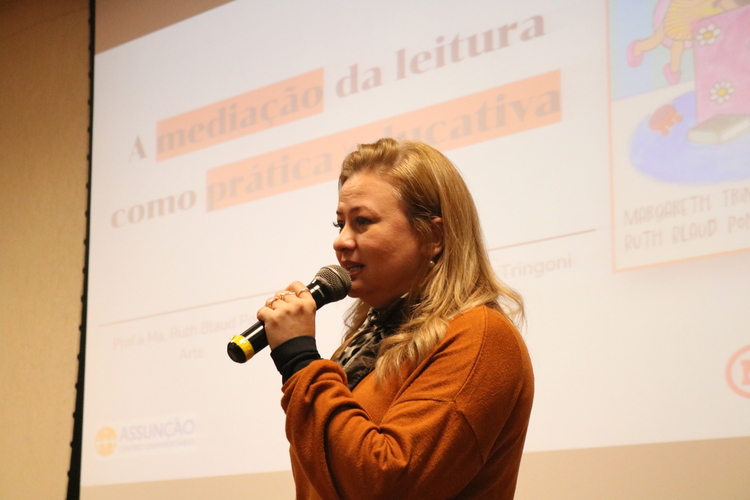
(680, 129)
(700, 136)
(672, 20)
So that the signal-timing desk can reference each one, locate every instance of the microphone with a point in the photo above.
(332, 283)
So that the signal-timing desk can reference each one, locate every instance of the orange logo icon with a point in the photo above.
(738, 372)
(105, 441)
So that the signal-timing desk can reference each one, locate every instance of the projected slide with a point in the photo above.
(614, 195)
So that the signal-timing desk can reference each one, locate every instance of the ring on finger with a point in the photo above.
(303, 290)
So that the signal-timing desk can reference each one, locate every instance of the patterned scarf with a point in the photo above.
(359, 357)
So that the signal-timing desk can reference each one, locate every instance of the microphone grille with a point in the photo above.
(338, 280)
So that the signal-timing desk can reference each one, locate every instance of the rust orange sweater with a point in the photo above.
(454, 429)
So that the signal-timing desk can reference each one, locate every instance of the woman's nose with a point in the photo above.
(343, 241)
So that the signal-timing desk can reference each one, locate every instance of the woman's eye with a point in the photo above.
(358, 223)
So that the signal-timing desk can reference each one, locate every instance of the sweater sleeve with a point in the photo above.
(440, 430)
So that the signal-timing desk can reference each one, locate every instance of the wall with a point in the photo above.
(44, 89)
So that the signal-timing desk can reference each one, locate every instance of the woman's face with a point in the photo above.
(376, 243)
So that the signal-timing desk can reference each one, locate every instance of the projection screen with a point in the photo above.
(606, 144)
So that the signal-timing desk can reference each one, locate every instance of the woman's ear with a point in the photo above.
(436, 245)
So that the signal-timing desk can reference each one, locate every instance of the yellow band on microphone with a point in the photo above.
(245, 345)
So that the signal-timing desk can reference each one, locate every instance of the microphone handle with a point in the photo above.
(244, 346)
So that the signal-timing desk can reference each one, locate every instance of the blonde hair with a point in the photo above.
(458, 279)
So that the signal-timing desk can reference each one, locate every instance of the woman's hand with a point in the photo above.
(288, 314)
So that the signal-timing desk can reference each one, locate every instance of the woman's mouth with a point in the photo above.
(353, 269)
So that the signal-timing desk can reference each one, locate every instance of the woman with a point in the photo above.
(430, 393)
